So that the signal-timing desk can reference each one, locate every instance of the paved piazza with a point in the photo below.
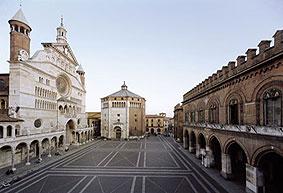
(152, 165)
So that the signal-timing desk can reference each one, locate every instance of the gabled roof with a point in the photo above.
(19, 16)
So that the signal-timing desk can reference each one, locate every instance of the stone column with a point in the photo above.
(64, 142)
(28, 149)
(49, 148)
(4, 132)
(208, 160)
(13, 132)
(254, 179)
(39, 152)
(13, 160)
(197, 151)
(226, 171)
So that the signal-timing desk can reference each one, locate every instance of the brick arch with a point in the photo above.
(263, 86)
(201, 105)
(218, 139)
(198, 135)
(240, 96)
(213, 100)
(263, 150)
(230, 141)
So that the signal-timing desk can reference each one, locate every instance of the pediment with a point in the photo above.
(63, 49)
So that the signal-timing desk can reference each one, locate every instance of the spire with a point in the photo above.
(19, 16)
(80, 69)
(62, 25)
(61, 32)
(124, 86)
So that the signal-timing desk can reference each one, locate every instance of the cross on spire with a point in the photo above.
(62, 20)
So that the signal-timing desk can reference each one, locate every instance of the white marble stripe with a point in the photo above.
(111, 159)
(76, 184)
(143, 184)
(133, 184)
(85, 187)
(138, 160)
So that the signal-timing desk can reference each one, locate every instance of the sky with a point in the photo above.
(161, 48)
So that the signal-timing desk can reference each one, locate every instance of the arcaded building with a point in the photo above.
(178, 122)
(233, 119)
(122, 114)
(42, 97)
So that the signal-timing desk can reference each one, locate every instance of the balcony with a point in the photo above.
(253, 129)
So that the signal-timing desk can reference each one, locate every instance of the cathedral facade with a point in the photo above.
(45, 107)
(122, 115)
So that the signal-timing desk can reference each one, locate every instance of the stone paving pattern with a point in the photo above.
(152, 165)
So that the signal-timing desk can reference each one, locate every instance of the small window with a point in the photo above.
(17, 132)
(118, 115)
(118, 120)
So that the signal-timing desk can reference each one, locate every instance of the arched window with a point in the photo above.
(61, 109)
(1, 132)
(193, 116)
(201, 116)
(234, 112)
(2, 104)
(22, 30)
(213, 114)
(272, 107)
(2, 84)
(9, 131)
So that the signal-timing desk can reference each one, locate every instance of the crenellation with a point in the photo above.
(264, 45)
(241, 60)
(251, 53)
(278, 39)
(242, 63)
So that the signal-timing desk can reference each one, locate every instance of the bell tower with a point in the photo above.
(19, 37)
(61, 33)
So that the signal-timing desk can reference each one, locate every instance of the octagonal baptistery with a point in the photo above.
(122, 114)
